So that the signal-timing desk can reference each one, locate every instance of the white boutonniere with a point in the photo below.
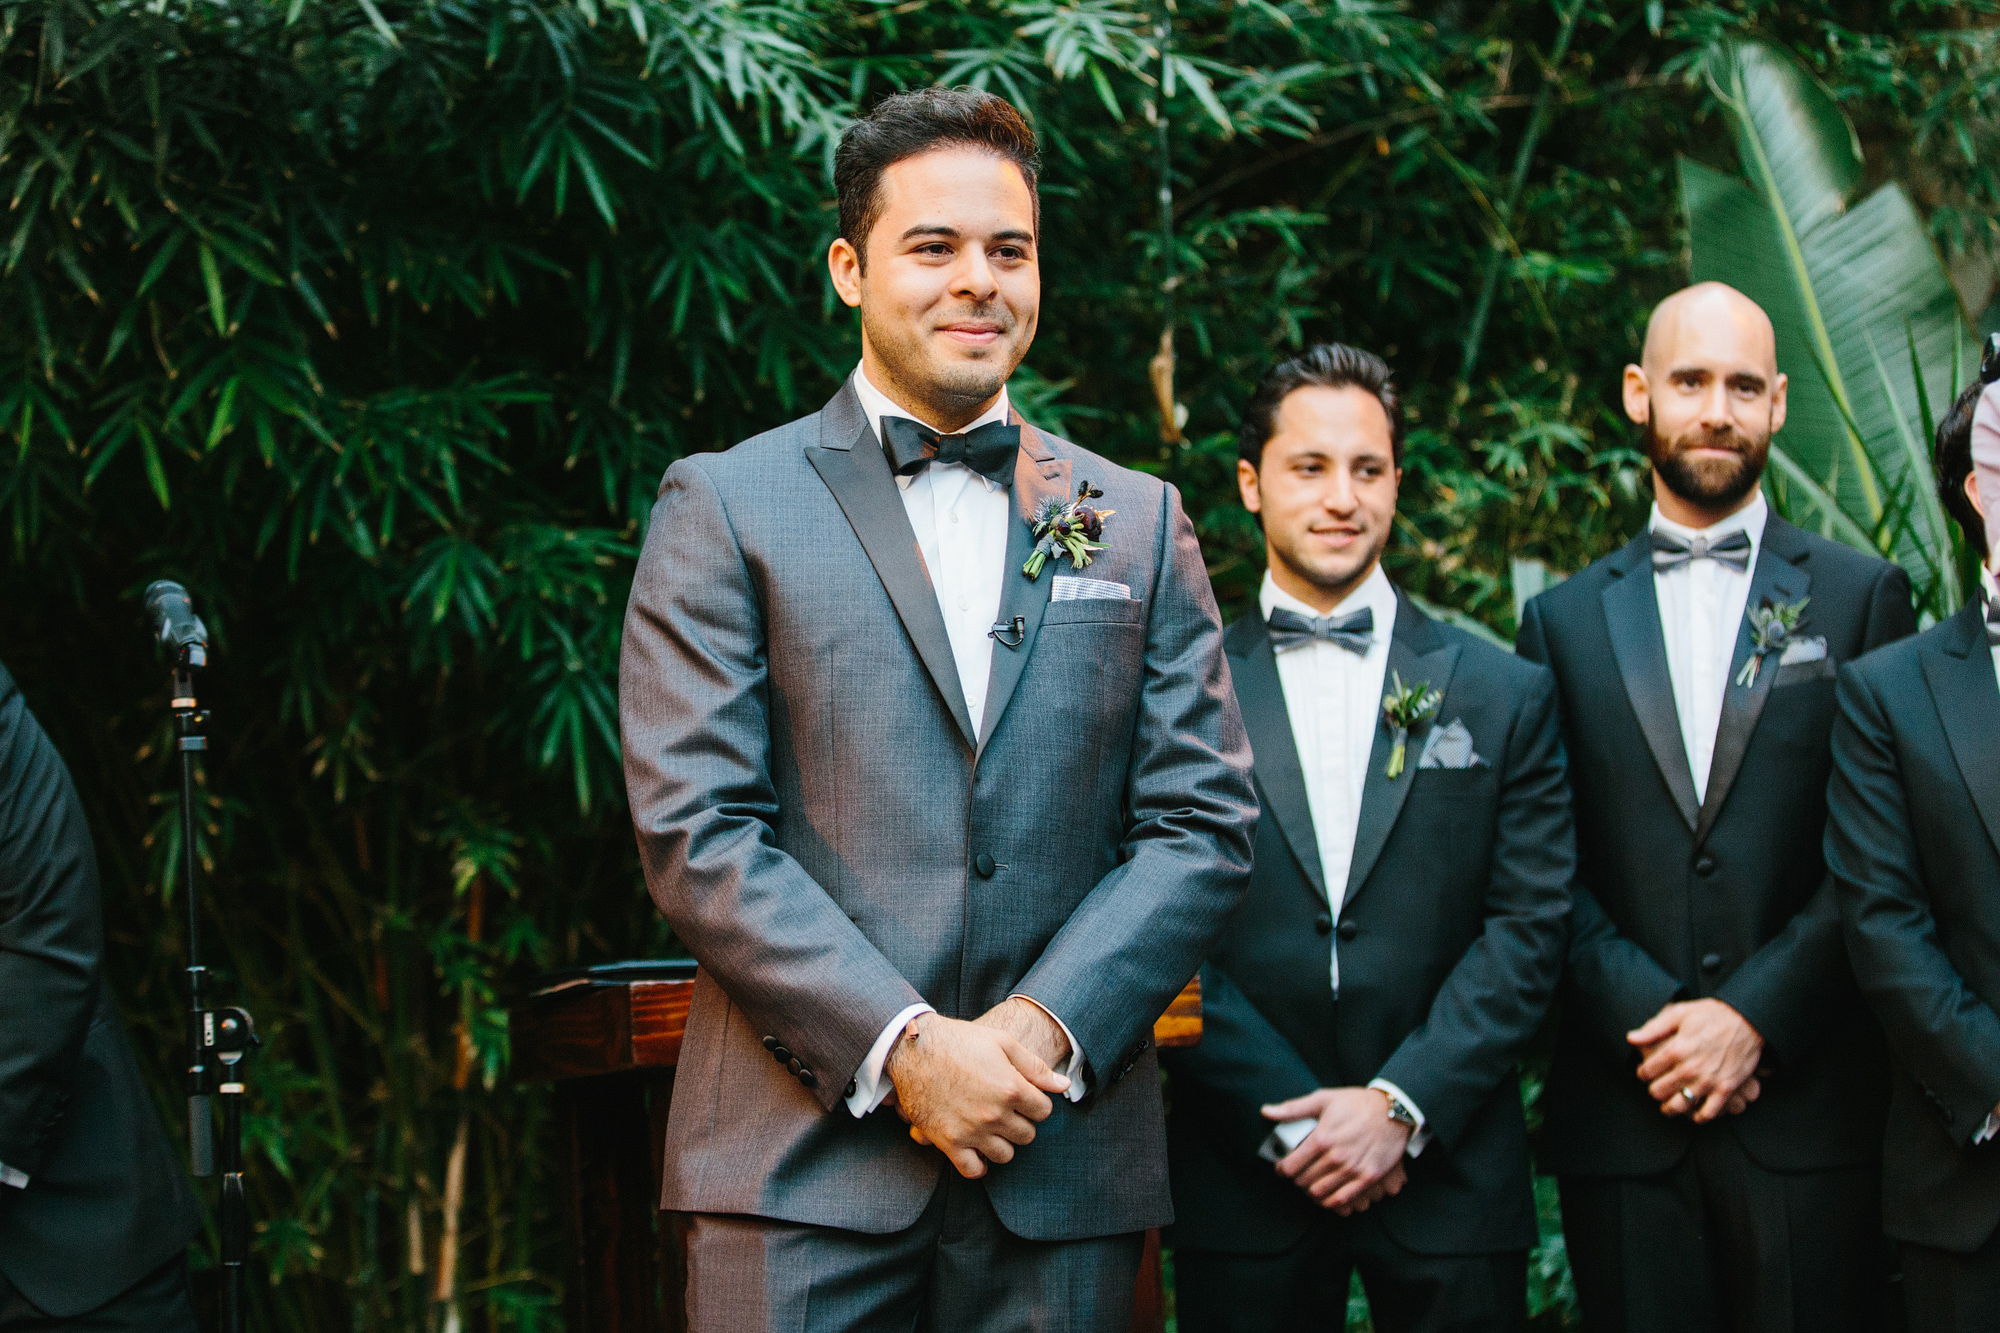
(1403, 707)
(1772, 626)
(1070, 529)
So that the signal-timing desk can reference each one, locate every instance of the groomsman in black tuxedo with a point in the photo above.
(1714, 1110)
(1913, 841)
(1403, 930)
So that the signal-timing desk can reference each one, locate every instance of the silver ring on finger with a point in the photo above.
(1690, 1094)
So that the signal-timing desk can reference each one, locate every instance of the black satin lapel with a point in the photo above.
(1037, 473)
(1381, 799)
(1632, 614)
(860, 480)
(1968, 704)
(1275, 755)
(1780, 581)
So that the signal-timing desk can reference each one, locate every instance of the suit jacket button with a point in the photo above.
(1323, 924)
(984, 864)
(850, 1089)
(1711, 962)
(807, 1077)
(1348, 930)
(1704, 865)
(781, 1053)
(771, 1044)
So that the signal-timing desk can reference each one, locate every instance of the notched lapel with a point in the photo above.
(1775, 579)
(850, 461)
(1382, 799)
(1038, 473)
(1274, 753)
(1964, 690)
(1632, 615)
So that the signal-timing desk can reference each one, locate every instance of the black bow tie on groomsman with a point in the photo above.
(988, 450)
(1671, 552)
(1353, 632)
(1992, 620)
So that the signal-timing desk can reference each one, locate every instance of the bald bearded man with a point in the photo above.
(1715, 1108)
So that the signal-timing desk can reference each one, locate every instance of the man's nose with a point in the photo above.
(1715, 406)
(1339, 496)
(972, 277)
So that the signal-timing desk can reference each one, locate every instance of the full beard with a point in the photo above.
(1710, 483)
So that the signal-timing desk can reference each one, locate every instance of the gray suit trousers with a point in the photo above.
(956, 1270)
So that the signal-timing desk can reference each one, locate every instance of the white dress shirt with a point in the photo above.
(1701, 614)
(960, 519)
(10, 1176)
(1333, 697)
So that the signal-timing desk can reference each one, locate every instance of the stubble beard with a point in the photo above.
(949, 390)
(1337, 582)
(1708, 483)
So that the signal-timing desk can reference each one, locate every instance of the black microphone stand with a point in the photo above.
(218, 1039)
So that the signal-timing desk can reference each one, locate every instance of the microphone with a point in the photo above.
(173, 617)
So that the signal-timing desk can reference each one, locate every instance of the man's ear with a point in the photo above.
(1778, 404)
(843, 263)
(1246, 485)
(1972, 493)
(1637, 396)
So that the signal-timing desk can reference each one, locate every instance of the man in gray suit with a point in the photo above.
(946, 817)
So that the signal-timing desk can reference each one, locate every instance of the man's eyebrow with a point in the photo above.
(946, 232)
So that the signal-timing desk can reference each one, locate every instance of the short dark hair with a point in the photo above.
(1327, 366)
(906, 124)
(1952, 461)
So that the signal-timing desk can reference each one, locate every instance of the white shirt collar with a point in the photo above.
(1988, 582)
(1375, 592)
(1750, 518)
(876, 405)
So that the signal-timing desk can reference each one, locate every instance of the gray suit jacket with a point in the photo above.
(832, 843)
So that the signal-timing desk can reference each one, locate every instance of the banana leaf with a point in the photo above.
(1869, 329)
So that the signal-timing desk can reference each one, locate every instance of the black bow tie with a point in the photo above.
(1353, 632)
(989, 450)
(1992, 620)
(1671, 552)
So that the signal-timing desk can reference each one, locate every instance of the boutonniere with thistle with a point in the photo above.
(1403, 707)
(1772, 626)
(1066, 529)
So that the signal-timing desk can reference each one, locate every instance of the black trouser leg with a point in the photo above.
(1952, 1293)
(1719, 1244)
(1410, 1292)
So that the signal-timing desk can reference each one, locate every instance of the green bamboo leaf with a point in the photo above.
(381, 24)
(212, 277)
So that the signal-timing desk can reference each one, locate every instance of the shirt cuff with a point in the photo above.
(1072, 1068)
(1986, 1131)
(1291, 1133)
(1421, 1135)
(19, 1179)
(871, 1089)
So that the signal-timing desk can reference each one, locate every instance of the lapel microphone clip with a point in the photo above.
(1018, 627)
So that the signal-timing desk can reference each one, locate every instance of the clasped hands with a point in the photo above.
(975, 1091)
(1353, 1156)
(1699, 1057)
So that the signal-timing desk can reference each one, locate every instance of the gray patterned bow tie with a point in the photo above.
(1671, 552)
(1353, 632)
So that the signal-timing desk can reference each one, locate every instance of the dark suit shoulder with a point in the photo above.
(1897, 663)
(1491, 666)
(1831, 560)
(1579, 593)
(1243, 634)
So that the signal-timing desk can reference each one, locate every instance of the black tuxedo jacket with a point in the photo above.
(106, 1200)
(1913, 841)
(1450, 938)
(1726, 898)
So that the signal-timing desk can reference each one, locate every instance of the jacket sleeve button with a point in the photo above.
(807, 1077)
(770, 1043)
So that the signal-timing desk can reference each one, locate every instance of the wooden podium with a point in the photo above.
(609, 1037)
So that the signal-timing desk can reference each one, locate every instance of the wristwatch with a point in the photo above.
(1399, 1110)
